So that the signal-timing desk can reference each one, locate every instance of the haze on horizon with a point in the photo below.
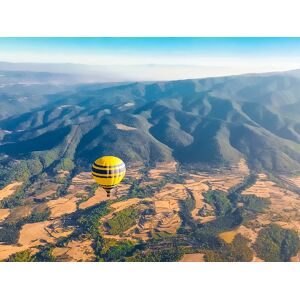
(117, 59)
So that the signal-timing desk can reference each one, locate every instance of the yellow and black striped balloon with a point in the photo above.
(108, 171)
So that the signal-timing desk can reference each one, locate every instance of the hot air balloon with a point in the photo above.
(108, 172)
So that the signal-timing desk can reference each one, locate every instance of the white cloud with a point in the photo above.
(152, 67)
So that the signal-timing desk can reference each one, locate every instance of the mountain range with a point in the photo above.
(204, 122)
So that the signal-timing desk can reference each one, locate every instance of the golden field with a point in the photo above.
(155, 215)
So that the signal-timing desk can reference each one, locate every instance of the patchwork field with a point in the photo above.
(4, 213)
(9, 190)
(62, 206)
(100, 195)
(284, 204)
(72, 218)
(33, 235)
(75, 251)
(193, 257)
(161, 169)
(228, 236)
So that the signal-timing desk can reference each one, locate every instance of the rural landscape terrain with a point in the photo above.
(213, 169)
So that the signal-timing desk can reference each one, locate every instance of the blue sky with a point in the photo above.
(68, 49)
(215, 56)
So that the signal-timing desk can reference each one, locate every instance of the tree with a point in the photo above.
(23, 256)
(276, 244)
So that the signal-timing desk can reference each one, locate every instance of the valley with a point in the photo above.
(213, 169)
(158, 213)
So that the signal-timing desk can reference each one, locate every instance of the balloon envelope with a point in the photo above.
(108, 171)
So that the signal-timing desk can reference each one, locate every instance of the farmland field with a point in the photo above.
(172, 220)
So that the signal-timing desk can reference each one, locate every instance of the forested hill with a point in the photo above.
(205, 122)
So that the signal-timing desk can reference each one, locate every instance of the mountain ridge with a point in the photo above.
(206, 122)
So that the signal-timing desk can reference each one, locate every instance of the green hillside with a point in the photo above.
(214, 121)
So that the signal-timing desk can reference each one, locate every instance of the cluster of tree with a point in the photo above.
(237, 251)
(63, 188)
(30, 166)
(154, 255)
(150, 189)
(185, 214)
(224, 223)
(254, 203)
(205, 236)
(9, 232)
(235, 192)
(190, 202)
(23, 256)
(46, 157)
(66, 164)
(218, 199)
(146, 191)
(115, 250)
(87, 226)
(26, 171)
(26, 166)
(45, 254)
(176, 177)
(15, 199)
(86, 223)
(38, 216)
(275, 243)
(13, 170)
(123, 220)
